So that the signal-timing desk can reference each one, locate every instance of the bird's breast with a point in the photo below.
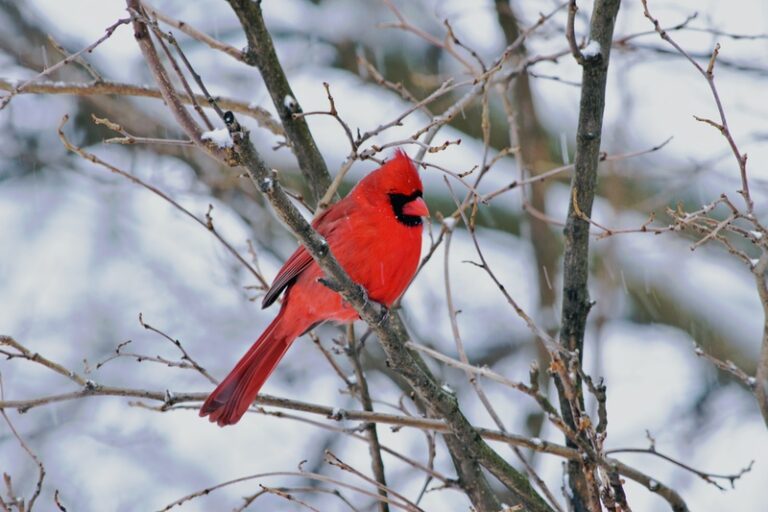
(381, 256)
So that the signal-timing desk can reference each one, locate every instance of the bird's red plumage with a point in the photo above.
(374, 245)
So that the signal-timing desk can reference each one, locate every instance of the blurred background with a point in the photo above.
(83, 252)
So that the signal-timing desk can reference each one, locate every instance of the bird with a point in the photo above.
(375, 234)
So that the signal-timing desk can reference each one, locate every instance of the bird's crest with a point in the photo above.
(397, 175)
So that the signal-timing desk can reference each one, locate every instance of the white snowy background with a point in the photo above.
(82, 252)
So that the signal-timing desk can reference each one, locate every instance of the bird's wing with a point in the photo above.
(298, 261)
(326, 225)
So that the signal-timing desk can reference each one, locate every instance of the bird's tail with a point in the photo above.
(229, 401)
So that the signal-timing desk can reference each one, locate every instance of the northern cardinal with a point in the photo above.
(375, 234)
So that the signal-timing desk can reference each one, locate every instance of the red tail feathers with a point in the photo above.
(229, 401)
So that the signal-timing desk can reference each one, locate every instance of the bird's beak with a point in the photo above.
(416, 208)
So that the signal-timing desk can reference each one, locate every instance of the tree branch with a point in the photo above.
(171, 98)
(172, 400)
(760, 388)
(576, 302)
(377, 464)
(193, 32)
(261, 53)
(72, 58)
(261, 116)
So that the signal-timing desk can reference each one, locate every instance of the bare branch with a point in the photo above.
(262, 117)
(191, 128)
(761, 376)
(576, 302)
(261, 53)
(377, 463)
(194, 33)
(300, 474)
(710, 478)
(72, 58)
(207, 224)
(570, 32)
(709, 76)
(40, 467)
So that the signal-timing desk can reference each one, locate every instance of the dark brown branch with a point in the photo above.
(576, 301)
(57, 501)
(676, 502)
(261, 53)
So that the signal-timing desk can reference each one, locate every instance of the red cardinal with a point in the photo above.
(375, 234)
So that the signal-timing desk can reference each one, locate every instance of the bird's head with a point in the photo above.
(397, 183)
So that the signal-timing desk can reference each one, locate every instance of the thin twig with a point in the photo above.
(446, 45)
(709, 76)
(262, 116)
(72, 58)
(567, 168)
(172, 400)
(299, 474)
(377, 463)
(287, 496)
(138, 181)
(570, 32)
(710, 478)
(80, 60)
(383, 489)
(24, 446)
(194, 33)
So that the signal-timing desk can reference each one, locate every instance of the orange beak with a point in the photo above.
(416, 208)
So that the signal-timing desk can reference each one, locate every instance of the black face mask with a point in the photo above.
(398, 202)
